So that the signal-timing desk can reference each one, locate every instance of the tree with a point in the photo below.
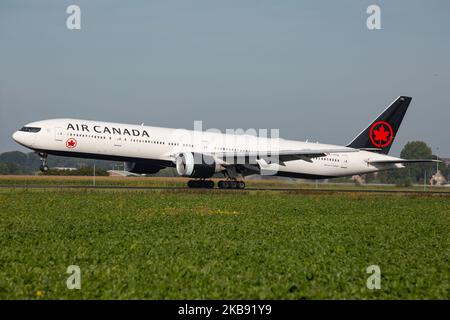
(412, 173)
(16, 162)
(418, 150)
(16, 157)
(9, 168)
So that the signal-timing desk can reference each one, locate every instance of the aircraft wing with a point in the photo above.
(284, 155)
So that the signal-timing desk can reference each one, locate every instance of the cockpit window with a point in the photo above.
(30, 129)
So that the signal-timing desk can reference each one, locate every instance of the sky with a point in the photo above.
(311, 69)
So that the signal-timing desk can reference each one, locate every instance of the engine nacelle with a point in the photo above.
(196, 165)
(142, 167)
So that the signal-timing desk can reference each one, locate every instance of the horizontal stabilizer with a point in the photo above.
(403, 161)
(370, 149)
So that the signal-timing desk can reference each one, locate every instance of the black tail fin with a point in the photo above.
(380, 134)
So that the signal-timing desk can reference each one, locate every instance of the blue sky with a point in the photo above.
(310, 68)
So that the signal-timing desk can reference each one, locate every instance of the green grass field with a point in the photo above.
(178, 244)
(21, 181)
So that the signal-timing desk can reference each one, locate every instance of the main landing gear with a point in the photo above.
(223, 184)
(231, 184)
(205, 184)
(44, 167)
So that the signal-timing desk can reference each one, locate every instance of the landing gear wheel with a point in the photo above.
(208, 184)
(44, 166)
(223, 184)
(192, 183)
(231, 184)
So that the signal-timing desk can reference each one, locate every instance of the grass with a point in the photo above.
(12, 181)
(224, 245)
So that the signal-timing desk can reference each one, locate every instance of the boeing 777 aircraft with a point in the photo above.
(200, 155)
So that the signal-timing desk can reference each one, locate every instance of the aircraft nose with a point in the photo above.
(20, 138)
(15, 136)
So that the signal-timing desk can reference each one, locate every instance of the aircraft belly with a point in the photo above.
(314, 168)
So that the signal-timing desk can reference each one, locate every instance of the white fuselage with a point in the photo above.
(124, 142)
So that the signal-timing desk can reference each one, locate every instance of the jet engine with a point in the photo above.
(196, 165)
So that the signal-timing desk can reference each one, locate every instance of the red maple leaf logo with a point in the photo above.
(381, 134)
(71, 143)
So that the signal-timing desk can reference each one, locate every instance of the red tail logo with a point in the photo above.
(381, 134)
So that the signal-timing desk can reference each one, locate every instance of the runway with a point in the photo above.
(291, 190)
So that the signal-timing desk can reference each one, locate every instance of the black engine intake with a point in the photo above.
(196, 165)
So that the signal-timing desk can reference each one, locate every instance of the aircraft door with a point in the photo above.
(58, 134)
(117, 141)
(205, 145)
(343, 159)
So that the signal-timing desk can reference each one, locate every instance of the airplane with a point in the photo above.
(201, 155)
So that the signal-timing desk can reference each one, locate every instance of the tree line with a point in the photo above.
(412, 173)
(19, 163)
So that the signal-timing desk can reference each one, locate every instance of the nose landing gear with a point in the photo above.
(44, 167)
